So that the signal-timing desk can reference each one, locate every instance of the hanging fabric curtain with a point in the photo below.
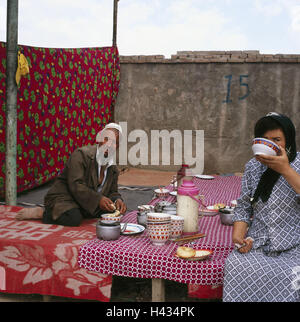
(67, 97)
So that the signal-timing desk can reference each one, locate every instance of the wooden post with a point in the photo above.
(115, 22)
(114, 41)
(11, 103)
(158, 290)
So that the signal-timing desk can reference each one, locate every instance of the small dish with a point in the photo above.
(201, 254)
(173, 193)
(208, 211)
(204, 176)
(132, 229)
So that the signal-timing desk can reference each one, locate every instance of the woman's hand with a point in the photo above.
(248, 246)
(279, 163)
(238, 236)
(246, 242)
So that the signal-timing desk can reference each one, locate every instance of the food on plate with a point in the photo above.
(185, 252)
(114, 214)
(202, 252)
(217, 206)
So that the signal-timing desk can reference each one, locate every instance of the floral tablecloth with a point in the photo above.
(68, 96)
(36, 258)
(135, 256)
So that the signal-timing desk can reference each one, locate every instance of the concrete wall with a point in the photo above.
(222, 93)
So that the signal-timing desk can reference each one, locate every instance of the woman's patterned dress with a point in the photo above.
(270, 272)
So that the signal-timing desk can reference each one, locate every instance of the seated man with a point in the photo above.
(87, 187)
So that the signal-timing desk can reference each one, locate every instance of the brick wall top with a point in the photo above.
(248, 56)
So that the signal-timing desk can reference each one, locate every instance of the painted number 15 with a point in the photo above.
(243, 84)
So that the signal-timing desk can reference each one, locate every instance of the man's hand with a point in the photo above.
(120, 205)
(106, 204)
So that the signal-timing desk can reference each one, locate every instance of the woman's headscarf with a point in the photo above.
(270, 177)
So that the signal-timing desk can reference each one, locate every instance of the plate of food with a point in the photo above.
(204, 176)
(132, 229)
(189, 253)
(208, 211)
(217, 206)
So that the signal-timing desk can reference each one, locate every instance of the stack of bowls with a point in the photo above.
(264, 146)
(177, 223)
(159, 227)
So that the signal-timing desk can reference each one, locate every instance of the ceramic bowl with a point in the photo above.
(157, 217)
(162, 193)
(177, 223)
(107, 217)
(264, 146)
(159, 233)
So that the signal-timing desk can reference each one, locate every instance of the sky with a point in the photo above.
(160, 27)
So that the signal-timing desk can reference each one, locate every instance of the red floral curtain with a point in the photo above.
(68, 96)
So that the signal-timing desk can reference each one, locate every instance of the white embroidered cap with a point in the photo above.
(109, 126)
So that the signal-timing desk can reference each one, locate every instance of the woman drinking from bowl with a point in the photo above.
(265, 266)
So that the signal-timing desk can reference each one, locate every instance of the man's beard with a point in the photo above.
(104, 155)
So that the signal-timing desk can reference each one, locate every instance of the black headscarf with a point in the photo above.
(270, 177)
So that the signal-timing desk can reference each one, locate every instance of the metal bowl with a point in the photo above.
(108, 230)
(171, 210)
(142, 218)
(226, 215)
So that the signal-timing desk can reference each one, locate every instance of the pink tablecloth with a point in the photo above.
(137, 257)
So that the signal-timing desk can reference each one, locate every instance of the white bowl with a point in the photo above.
(159, 234)
(162, 193)
(157, 217)
(108, 217)
(264, 146)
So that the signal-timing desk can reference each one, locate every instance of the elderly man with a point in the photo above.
(87, 187)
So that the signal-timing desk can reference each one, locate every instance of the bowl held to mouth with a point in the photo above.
(264, 146)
